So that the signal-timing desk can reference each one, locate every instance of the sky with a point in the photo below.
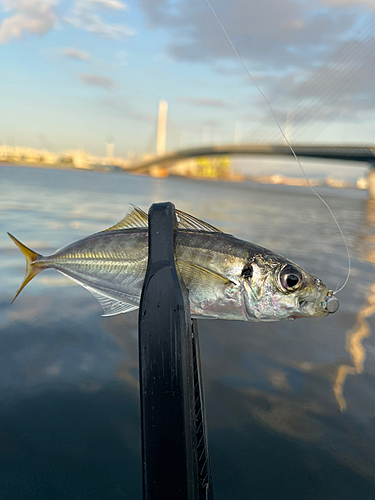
(75, 74)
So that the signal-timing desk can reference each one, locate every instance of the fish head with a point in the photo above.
(276, 288)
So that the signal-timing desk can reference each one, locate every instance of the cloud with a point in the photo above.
(72, 53)
(340, 90)
(38, 17)
(98, 81)
(33, 16)
(230, 71)
(345, 80)
(208, 102)
(108, 4)
(84, 16)
(271, 34)
(352, 3)
(316, 59)
(114, 31)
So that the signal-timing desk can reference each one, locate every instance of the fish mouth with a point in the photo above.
(329, 303)
(321, 309)
(313, 308)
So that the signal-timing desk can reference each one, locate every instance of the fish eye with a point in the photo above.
(290, 278)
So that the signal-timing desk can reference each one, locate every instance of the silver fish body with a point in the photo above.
(227, 278)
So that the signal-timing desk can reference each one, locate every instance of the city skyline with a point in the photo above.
(76, 73)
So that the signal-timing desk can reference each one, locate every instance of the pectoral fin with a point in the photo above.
(194, 275)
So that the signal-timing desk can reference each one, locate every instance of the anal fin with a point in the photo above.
(111, 306)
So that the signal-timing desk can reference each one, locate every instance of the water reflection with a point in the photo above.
(69, 377)
(361, 330)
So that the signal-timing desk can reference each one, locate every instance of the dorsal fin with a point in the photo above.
(134, 218)
(137, 218)
(186, 221)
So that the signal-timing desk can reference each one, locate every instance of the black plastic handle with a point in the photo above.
(166, 364)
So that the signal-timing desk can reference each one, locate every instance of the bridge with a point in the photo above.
(354, 153)
(363, 154)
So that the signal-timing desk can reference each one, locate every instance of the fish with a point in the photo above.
(226, 278)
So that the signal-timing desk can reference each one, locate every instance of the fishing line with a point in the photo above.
(286, 140)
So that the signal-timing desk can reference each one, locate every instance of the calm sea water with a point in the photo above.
(290, 405)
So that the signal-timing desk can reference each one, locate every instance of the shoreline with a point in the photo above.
(268, 179)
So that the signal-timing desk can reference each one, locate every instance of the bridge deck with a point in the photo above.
(336, 152)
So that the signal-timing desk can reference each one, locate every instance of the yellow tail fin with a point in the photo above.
(31, 270)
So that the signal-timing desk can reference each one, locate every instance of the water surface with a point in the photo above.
(290, 405)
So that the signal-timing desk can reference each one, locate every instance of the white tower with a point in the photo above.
(162, 128)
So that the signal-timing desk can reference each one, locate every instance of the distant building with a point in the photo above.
(79, 159)
(209, 167)
(76, 158)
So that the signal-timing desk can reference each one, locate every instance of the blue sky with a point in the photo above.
(74, 73)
